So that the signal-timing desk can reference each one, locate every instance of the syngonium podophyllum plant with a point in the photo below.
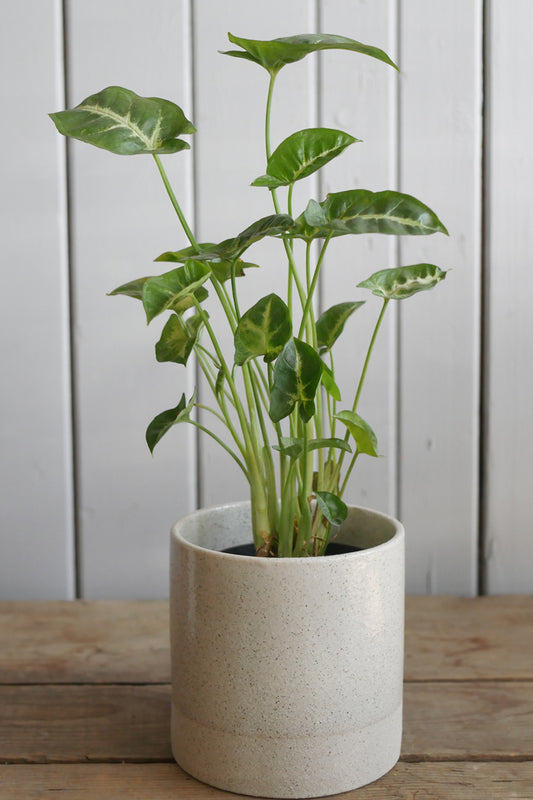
(276, 392)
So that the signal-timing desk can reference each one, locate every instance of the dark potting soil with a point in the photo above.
(333, 549)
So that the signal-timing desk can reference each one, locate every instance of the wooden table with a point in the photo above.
(84, 703)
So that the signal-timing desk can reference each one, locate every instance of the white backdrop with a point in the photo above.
(84, 508)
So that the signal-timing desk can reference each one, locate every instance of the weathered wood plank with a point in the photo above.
(468, 721)
(84, 642)
(451, 781)
(84, 723)
(456, 638)
(443, 721)
(447, 638)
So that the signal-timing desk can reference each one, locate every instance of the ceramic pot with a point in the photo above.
(286, 673)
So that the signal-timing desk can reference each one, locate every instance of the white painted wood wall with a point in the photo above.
(84, 508)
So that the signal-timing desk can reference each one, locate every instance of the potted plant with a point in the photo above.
(287, 657)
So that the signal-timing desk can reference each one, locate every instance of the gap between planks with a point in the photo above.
(442, 722)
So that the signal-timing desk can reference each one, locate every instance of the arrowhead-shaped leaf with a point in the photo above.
(163, 422)
(330, 324)
(220, 267)
(303, 153)
(362, 211)
(328, 382)
(131, 289)
(273, 225)
(364, 436)
(296, 377)
(275, 53)
(176, 343)
(173, 290)
(294, 447)
(120, 121)
(262, 330)
(332, 507)
(402, 282)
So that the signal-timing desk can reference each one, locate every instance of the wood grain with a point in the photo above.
(464, 739)
(73, 723)
(452, 781)
(468, 721)
(447, 638)
(454, 638)
(442, 721)
(81, 642)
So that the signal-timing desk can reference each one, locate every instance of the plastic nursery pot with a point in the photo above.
(286, 673)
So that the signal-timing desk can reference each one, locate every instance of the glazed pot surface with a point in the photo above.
(286, 673)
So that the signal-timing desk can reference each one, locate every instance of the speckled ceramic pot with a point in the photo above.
(286, 673)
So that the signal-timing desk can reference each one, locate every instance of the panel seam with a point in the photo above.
(484, 343)
(70, 312)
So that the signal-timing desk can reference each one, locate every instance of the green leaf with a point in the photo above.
(176, 343)
(362, 211)
(328, 382)
(332, 507)
(294, 447)
(296, 377)
(131, 289)
(364, 436)
(273, 225)
(330, 324)
(402, 282)
(120, 121)
(173, 290)
(262, 330)
(303, 153)
(163, 422)
(220, 267)
(275, 53)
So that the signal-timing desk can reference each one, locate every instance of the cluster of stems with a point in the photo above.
(286, 519)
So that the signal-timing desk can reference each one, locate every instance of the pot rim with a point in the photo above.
(399, 534)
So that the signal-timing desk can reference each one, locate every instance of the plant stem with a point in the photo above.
(369, 354)
(224, 416)
(220, 442)
(293, 270)
(189, 234)
(360, 389)
(348, 473)
(254, 460)
(267, 115)
(304, 528)
(308, 308)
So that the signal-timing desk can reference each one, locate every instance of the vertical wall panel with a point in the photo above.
(358, 96)
(230, 102)
(122, 220)
(440, 163)
(509, 389)
(423, 389)
(36, 536)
